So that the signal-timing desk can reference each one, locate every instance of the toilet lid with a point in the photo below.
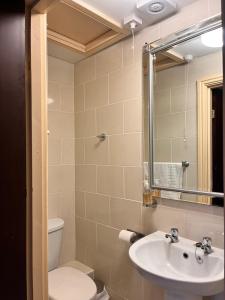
(67, 283)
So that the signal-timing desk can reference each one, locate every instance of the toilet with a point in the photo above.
(65, 283)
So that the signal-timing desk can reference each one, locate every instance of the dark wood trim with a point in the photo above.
(223, 21)
(13, 185)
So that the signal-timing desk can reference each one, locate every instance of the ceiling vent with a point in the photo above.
(156, 10)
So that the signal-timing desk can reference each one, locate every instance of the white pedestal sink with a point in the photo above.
(174, 267)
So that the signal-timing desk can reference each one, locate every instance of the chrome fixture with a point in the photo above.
(173, 235)
(205, 245)
(101, 137)
(185, 163)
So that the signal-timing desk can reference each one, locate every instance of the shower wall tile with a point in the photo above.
(109, 174)
(61, 160)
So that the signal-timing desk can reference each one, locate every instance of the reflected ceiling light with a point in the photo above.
(213, 38)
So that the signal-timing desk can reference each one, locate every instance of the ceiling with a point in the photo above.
(118, 9)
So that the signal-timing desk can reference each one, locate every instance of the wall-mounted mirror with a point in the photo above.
(183, 102)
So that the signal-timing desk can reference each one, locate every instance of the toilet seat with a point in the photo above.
(67, 283)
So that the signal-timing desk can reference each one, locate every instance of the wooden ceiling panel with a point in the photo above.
(73, 24)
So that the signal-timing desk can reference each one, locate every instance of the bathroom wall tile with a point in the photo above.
(162, 101)
(192, 176)
(53, 96)
(96, 93)
(85, 233)
(54, 150)
(60, 71)
(53, 205)
(163, 150)
(170, 78)
(97, 208)
(86, 178)
(125, 150)
(126, 280)
(68, 151)
(163, 218)
(214, 7)
(110, 181)
(133, 116)
(80, 204)
(67, 178)
(184, 150)
(79, 151)
(79, 98)
(109, 60)
(85, 70)
(191, 103)
(191, 123)
(54, 178)
(178, 97)
(61, 124)
(85, 125)
(125, 84)
(67, 213)
(201, 224)
(125, 214)
(176, 128)
(110, 119)
(152, 290)
(96, 152)
(67, 98)
(133, 183)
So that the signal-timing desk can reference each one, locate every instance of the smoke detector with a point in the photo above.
(156, 10)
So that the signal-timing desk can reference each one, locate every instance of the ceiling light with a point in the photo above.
(213, 39)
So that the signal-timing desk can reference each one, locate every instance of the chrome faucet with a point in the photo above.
(205, 245)
(173, 235)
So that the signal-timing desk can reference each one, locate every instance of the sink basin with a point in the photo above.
(177, 268)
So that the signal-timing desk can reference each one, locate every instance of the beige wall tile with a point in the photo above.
(97, 208)
(79, 98)
(170, 126)
(80, 204)
(133, 116)
(200, 224)
(85, 125)
(184, 150)
(79, 151)
(61, 124)
(163, 150)
(85, 70)
(68, 151)
(125, 150)
(86, 233)
(60, 71)
(110, 119)
(53, 205)
(109, 60)
(125, 84)
(214, 7)
(67, 213)
(162, 101)
(54, 100)
(125, 214)
(54, 150)
(86, 178)
(96, 93)
(110, 181)
(178, 97)
(96, 152)
(67, 98)
(133, 183)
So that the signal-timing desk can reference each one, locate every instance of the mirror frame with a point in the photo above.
(150, 51)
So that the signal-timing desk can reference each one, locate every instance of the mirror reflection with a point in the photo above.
(188, 118)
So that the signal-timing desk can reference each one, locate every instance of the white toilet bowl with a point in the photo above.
(65, 283)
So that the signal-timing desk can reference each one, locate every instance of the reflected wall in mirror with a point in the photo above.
(187, 131)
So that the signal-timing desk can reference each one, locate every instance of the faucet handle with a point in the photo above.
(207, 241)
(174, 231)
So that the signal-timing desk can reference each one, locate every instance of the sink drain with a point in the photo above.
(185, 255)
